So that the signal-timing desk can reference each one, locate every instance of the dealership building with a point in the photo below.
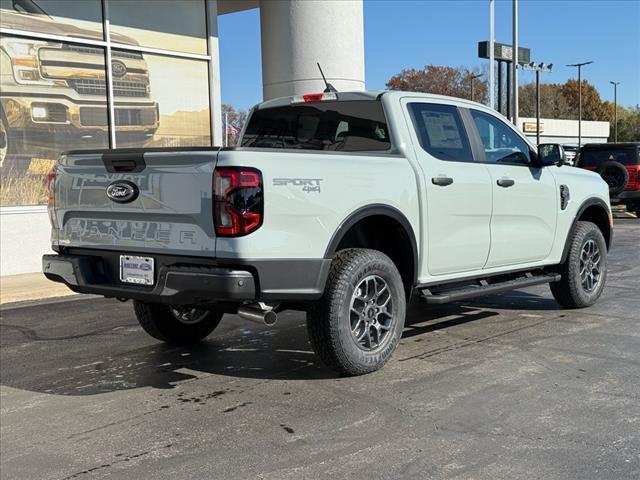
(128, 73)
(146, 73)
(553, 130)
(143, 73)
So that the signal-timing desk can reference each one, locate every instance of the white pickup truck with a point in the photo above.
(344, 205)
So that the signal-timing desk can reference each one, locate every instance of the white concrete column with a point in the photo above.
(298, 33)
(215, 101)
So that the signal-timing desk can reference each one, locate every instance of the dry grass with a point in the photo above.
(40, 166)
(29, 286)
(29, 189)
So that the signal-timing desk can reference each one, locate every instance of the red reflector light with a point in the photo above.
(237, 201)
(634, 177)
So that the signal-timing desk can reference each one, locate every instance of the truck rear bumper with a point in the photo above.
(189, 280)
(177, 285)
(629, 195)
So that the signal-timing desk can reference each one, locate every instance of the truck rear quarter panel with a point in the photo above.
(308, 195)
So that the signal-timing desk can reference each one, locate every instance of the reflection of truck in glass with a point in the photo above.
(53, 94)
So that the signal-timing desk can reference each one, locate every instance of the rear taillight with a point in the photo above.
(634, 177)
(237, 201)
(51, 197)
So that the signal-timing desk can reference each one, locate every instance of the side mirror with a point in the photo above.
(551, 154)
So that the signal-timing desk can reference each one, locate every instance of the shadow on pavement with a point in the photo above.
(107, 356)
(517, 300)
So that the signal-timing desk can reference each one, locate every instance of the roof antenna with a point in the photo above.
(329, 87)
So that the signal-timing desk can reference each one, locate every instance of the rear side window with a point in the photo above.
(440, 131)
(347, 126)
(595, 157)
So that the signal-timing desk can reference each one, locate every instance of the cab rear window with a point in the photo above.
(595, 157)
(343, 126)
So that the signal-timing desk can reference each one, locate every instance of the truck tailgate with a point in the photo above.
(171, 214)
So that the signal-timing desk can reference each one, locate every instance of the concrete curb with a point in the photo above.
(30, 286)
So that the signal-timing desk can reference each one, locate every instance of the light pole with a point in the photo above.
(615, 110)
(540, 67)
(500, 86)
(473, 77)
(580, 65)
(492, 91)
(226, 129)
(514, 64)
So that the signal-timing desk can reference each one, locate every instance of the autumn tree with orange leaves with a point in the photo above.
(592, 106)
(455, 82)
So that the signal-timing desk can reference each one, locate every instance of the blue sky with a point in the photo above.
(404, 34)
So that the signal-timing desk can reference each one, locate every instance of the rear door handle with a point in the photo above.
(442, 180)
(506, 182)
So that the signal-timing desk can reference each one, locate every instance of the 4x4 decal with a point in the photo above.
(308, 184)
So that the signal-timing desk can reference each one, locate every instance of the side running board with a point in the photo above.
(483, 287)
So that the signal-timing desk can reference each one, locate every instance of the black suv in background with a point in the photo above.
(619, 165)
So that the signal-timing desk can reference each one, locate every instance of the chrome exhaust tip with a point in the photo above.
(267, 317)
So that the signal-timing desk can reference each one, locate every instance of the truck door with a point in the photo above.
(458, 190)
(523, 220)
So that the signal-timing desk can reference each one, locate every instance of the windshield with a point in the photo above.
(347, 126)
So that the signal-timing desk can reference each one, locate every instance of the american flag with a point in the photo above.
(231, 130)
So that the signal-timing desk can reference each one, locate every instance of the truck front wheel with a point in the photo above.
(176, 324)
(585, 270)
(357, 324)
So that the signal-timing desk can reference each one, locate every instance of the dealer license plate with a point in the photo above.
(137, 270)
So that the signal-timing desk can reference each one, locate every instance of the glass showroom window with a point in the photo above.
(160, 101)
(168, 25)
(50, 92)
(54, 90)
(69, 18)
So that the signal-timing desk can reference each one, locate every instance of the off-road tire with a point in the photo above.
(569, 291)
(328, 320)
(159, 322)
(616, 176)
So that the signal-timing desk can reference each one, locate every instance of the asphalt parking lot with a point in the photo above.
(505, 387)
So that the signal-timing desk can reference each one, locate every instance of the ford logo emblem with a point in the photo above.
(118, 68)
(122, 191)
